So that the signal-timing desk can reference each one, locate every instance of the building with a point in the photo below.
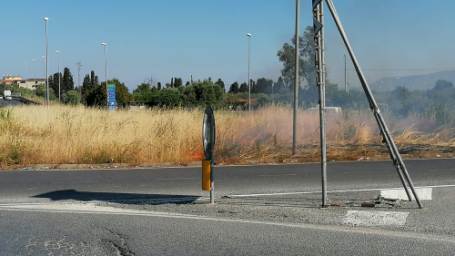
(9, 80)
(31, 83)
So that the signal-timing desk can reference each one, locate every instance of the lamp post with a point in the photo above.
(79, 65)
(46, 19)
(57, 52)
(249, 35)
(104, 45)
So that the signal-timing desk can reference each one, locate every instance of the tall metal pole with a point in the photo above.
(346, 74)
(273, 95)
(318, 23)
(58, 72)
(393, 150)
(46, 19)
(296, 77)
(105, 61)
(79, 65)
(249, 35)
(105, 70)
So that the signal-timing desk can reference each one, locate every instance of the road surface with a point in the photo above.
(133, 212)
(13, 102)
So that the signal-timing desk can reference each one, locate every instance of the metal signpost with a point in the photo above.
(208, 140)
(384, 130)
(111, 97)
(295, 101)
(318, 26)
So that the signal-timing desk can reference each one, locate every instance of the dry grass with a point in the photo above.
(76, 135)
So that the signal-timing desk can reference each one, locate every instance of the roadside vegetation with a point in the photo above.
(160, 123)
(54, 135)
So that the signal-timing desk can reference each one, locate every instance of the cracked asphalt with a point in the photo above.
(163, 212)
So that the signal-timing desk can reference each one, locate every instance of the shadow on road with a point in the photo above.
(125, 198)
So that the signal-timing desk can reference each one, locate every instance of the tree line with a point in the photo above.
(436, 103)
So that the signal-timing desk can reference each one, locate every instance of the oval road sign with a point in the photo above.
(208, 133)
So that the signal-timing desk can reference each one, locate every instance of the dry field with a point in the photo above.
(57, 135)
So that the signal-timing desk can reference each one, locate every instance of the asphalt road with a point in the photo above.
(52, 212)
(13, 102)
(78, 234)
(29, 185)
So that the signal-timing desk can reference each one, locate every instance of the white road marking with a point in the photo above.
(375, 218)
(278, 175)
(103, 210)
(400, 194)
(176, 179)
(331, 191)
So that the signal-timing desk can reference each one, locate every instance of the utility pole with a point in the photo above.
(296, 77)
(79, 65)
(318, 27)
(46, 19)
(57, 52)
(249, 35)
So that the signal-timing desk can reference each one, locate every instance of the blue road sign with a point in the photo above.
(111, 97)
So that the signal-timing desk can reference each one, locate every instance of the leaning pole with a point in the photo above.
(394, 153)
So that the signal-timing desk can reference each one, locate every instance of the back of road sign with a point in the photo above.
(208, 133)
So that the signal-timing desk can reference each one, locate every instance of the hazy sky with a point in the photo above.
(164, 38)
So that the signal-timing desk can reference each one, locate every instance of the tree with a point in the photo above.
(72, 97)
(169, 97)
(41, 92)
(53, 82)
(88, 86)
(286, 55)
(142, 93)
(234, 88)
(177, 82)
(280, 86)
(262, 85)
(220, 83)
(442, 85)
(243, 87)
(67, 82)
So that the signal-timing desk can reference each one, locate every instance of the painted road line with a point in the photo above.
(103, 210)
(177, 179)
(400, 194)
(278, 175)
(331, 191)
(375, 218)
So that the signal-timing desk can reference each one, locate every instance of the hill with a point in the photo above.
(415, 82)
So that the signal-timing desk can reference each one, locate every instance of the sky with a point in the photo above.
(159, 39)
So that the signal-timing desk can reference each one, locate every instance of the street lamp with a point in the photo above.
(249, 35)
(105, 61)
(58, 73)
(104, 45)
(46, 19)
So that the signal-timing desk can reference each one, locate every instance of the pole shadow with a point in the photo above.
(124, 198)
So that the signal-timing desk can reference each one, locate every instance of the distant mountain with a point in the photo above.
(416, 82)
